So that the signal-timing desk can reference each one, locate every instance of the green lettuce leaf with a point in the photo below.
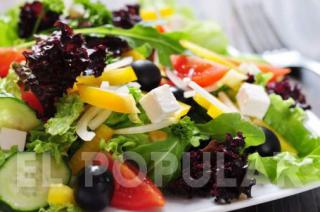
(139, 35)
(9, 85)
(69, 109)
(186, 130)
(287, 170)
(289, 122)
(232, 123)
(9, 28)
(97, 13)
(207, 34)
(263, 78)
(54, 5)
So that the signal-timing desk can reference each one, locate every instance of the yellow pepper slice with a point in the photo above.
(206, 54)
(214, 111)
(201, 101)
(183, 111)
(60, 194)
(119, 76)
(77, 161)
(114, 77)
(152, 15)
(134, 54)
(110, 100)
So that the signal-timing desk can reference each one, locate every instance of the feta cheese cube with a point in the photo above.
(253, 101)
(12, 137)
(160, 104)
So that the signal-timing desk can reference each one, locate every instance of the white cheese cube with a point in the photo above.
(253, 101)
(160, 104)
(11, 137)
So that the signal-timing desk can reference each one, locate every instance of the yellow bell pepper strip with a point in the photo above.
(152, 15)
(114, 77)
(60, 194)
(77, 161)
(105, 99)
(119, 76)
(134, 54)
(206, 54)
(201, 101)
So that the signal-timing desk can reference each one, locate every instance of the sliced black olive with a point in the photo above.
(271, 146)
(94, 188)
(148, 74)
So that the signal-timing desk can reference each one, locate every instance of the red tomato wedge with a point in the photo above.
(7, 57)
(31, 99)
(278, 73)
(201, 71)
(133, 191)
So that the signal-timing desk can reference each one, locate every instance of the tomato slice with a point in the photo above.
(32, 100)
(133, 191)
(278, 73)
(201, 71)
(7, 57)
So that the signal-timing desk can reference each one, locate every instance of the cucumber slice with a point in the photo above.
(15, 114)
(25, 179)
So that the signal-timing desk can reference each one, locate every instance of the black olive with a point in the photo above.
(271, 145)
(178, 93)
(94, 188)
(148, 74)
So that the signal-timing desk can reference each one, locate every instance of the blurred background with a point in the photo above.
(291, 24)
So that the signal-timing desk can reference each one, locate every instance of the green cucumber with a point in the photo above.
(15, 114)
(25, 179)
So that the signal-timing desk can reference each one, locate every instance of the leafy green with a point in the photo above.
(232, 123)
(61, 208)
(69, 109)
(9, 28)
(120, 144)
(39, 141)
(54, 5)
(207, 34)
(186, 130)
(97, 13)
(289, 122)
(145, 50)
(139, 35)
(9, 85)
(287, 170)
(4, 155)
(263, 78)
(161, 154)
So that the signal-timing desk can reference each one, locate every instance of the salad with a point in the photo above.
(125, 108)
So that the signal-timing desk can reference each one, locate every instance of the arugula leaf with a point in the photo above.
(9, 28)
(186, 130)
(145, 50)
(69, 109)
(97, 13)
(289, 122)
(9, 85)
(287, 170)
(139, 35)
(4, 155)
(166, 153)
(232, 123)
